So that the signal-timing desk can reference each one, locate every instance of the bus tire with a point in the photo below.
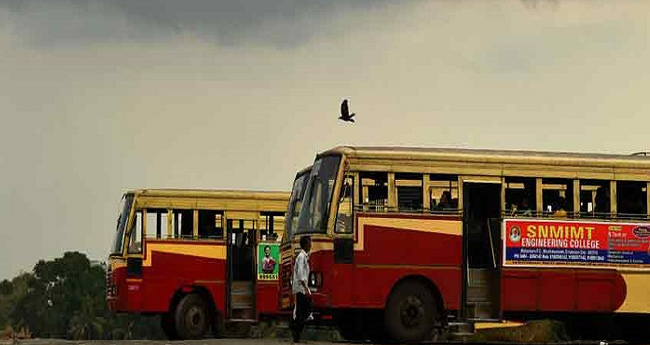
(168, 327)
(410, 313)
(192, 319)
(218, 326)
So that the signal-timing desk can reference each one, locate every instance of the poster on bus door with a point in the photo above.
(571, 243)
(268, 257)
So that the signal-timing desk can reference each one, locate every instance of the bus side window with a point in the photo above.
(344, 215)
(557, 197)
(409, 192)
(270, 224)
(278, 231)
(374, 191)
(443, 192)
(631, 199)
(594, 198)
(135, 240)
(219, 225)
(210, 224)
(520, 197)
(156, 223)
(183, 223)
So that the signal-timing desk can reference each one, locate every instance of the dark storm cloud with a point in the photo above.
(280, 23)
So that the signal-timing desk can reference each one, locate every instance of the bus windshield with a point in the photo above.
(318, 195)
(122, 218)
(295, 204)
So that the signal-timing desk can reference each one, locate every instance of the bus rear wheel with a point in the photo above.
(411, 313)
(191, 318)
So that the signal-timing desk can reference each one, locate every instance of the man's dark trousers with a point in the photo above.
(303, 306)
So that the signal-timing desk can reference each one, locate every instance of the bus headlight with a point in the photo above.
(315, 279)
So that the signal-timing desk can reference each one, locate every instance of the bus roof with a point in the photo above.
(212, 193)
(489, 155)
(304, 171)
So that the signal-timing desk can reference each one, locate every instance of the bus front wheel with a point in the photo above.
(192, 317)
(410, 313)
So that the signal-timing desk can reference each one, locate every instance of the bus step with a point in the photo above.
(242, 313)
(242, 320)
(242, 300)
(477, 320)
(241, 293)
(242, 306)
(457, 324)
(462, 334)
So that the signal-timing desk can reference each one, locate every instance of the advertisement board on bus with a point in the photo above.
(268, 256)
(533, 242)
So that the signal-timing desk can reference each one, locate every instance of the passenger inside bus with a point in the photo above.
(445, 201)
(520, 196)
(523, 209)
(560, 211)
(601, 209)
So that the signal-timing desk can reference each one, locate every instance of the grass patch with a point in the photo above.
(541, 331)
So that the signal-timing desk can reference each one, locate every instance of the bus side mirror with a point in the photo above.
(343, 250)
(134, 267)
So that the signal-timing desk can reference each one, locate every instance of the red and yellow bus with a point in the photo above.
(202, 259)
(407, 240)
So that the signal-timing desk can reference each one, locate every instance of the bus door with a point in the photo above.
(267, 271)
(344, 266)
(240, 253)
(481, 237)
(135, 285)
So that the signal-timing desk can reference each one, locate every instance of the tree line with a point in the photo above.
(65, 298)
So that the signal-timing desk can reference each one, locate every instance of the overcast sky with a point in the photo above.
(98, 97)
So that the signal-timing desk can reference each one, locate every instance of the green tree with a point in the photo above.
(58, 291)
(86, 324)
(65, 297)
(6, 288)
(10, 293)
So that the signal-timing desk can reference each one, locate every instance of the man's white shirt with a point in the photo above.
(301, 272)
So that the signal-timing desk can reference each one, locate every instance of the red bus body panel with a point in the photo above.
(384, 254)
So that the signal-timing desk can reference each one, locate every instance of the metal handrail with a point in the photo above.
(494, 255)
(395, 209)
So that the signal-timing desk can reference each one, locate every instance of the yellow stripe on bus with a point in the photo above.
(210, 252)
(637, 299)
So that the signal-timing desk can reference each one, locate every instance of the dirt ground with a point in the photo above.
(157, 342)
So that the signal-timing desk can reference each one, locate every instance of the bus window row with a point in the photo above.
(566, 198)
(413, 192)
(527, 197)
(180, 225)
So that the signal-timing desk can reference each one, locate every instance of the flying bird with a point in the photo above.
(345, 113)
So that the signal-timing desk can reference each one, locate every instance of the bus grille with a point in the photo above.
(109, 281)
(286, 276)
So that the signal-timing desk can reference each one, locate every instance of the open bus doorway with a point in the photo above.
(481, 234)
(242, 240)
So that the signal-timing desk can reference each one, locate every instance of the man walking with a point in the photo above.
(302, 305)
